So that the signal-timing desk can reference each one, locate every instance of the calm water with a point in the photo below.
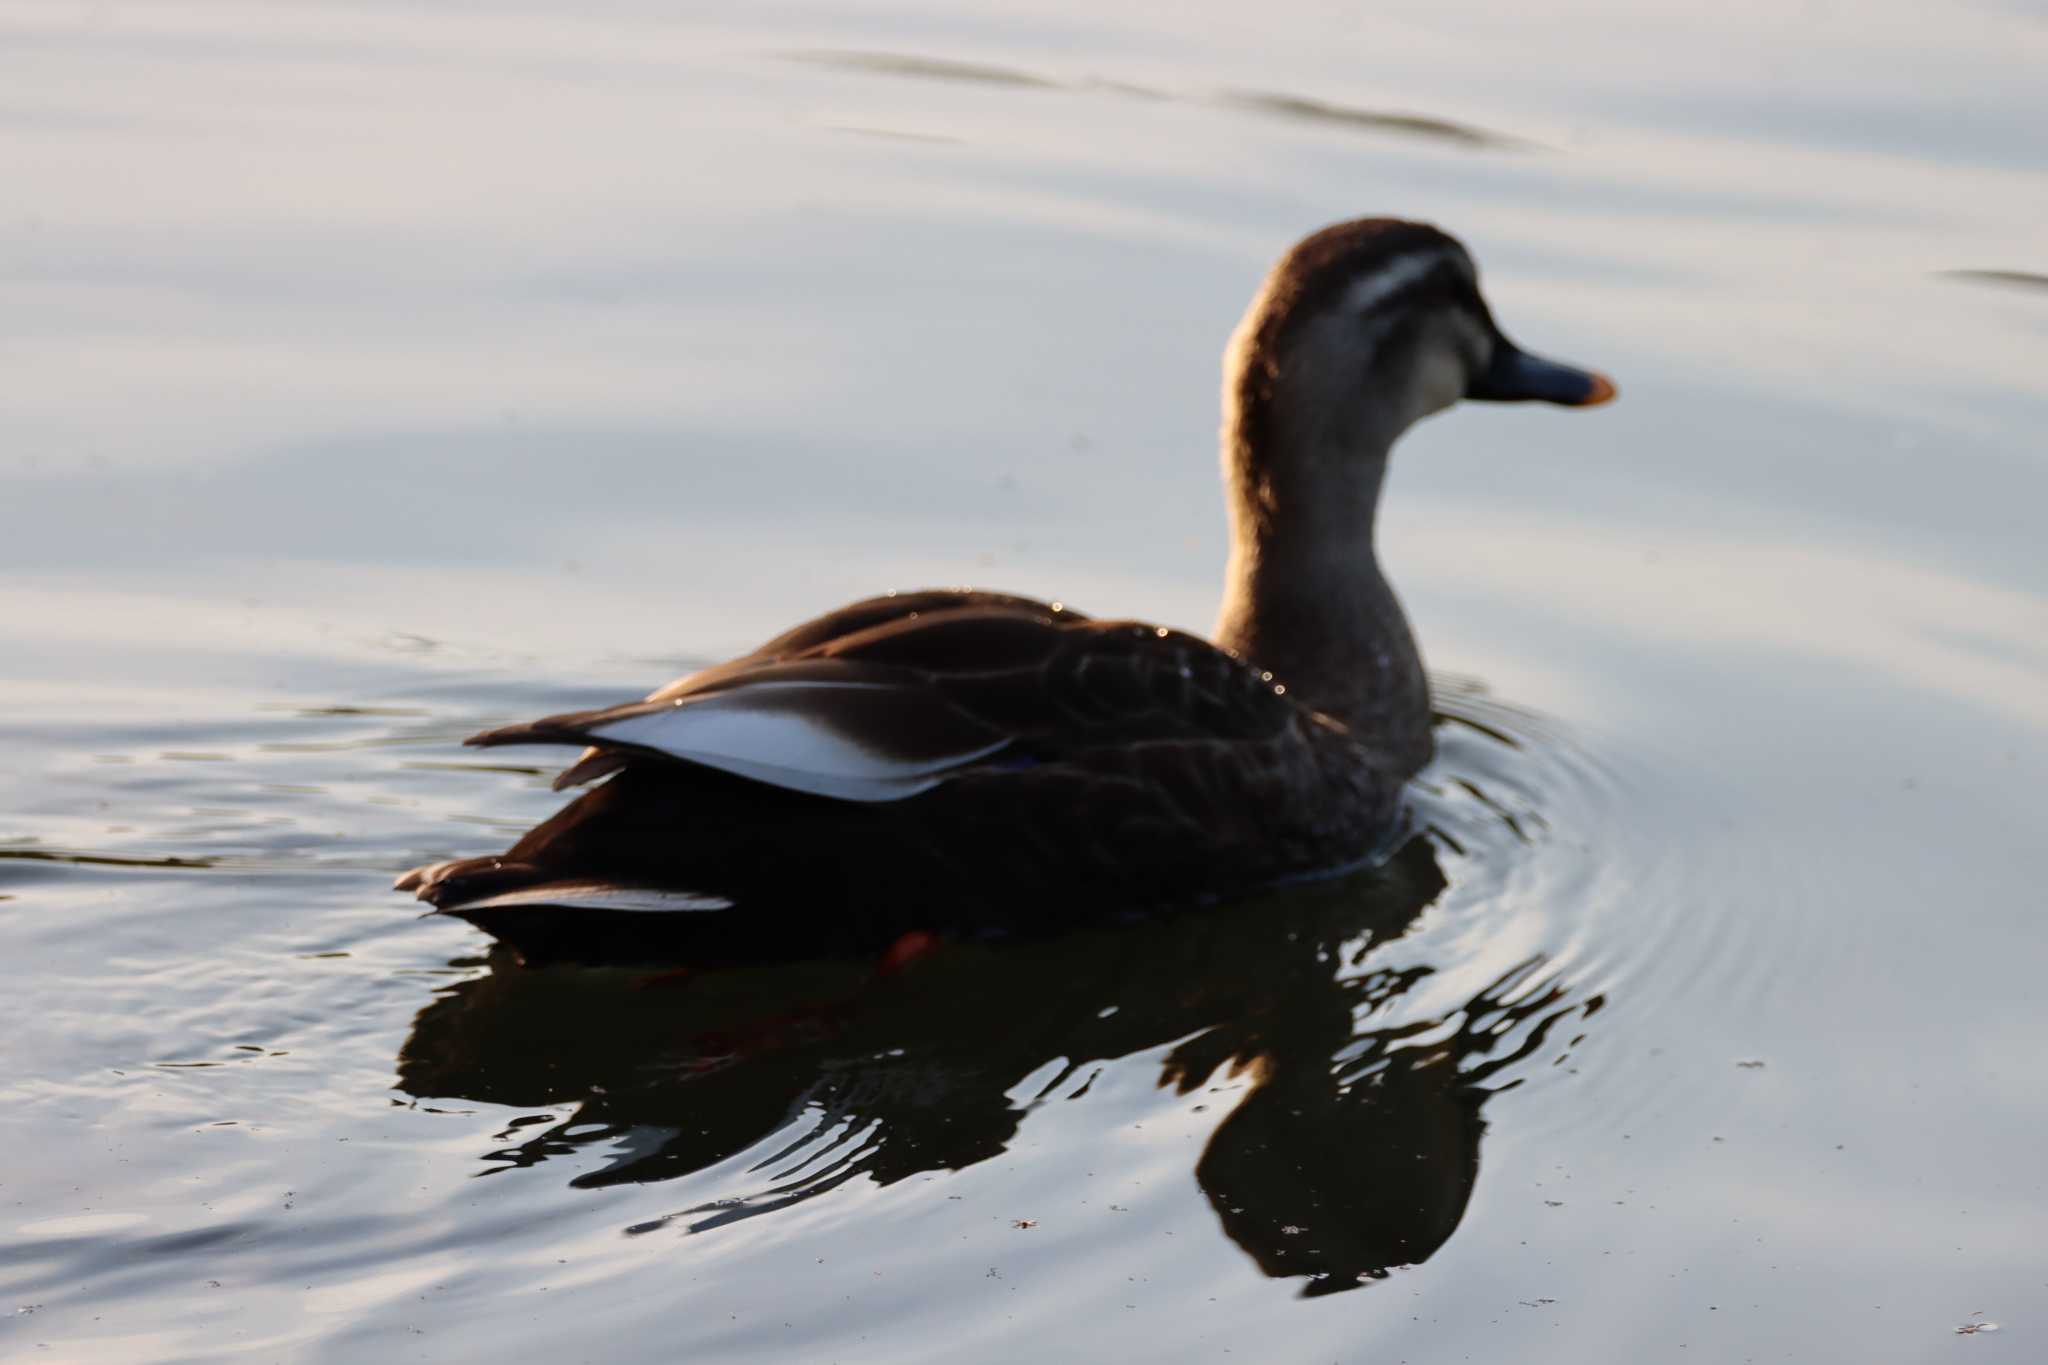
(378, 372)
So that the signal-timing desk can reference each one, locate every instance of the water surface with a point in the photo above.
(379, 372)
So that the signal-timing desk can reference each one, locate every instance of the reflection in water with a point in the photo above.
(1300, 107)
(1352, 1147)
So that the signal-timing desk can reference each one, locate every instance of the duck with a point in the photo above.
(962, 763)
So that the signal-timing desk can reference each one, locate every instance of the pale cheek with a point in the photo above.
(1440, 381)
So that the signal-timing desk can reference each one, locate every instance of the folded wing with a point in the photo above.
(834, 728)
(889, 698)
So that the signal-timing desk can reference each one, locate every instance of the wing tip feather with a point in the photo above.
(564, 729)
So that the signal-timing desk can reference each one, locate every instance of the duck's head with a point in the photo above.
(1360, 331)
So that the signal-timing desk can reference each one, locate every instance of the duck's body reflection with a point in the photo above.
(1352, 1147)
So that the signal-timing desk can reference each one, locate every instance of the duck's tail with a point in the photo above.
(546, 917)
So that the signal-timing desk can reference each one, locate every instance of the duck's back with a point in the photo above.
(960, 762)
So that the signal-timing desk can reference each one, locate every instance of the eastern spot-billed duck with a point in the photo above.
(971, 763)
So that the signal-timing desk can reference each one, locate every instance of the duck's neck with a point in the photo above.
(1304, 596)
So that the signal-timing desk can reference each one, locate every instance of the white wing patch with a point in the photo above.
(634, 898)
(766, 731)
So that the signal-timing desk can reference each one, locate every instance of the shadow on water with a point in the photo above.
(1351, 1148)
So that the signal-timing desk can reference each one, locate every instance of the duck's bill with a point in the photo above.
(1515, 376)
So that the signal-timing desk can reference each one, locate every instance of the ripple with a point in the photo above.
(1423, 126)
(1302, 108)
(1562, 853)
(2016, 279)
(923, 68)
(1325, 1056)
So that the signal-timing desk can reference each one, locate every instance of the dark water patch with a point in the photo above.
(1299, 107)
(99, 1252)
(250, 1053)
(2013, 279)
(924, 68)
(1308, 110)
(317, 712)
(105, 859)
(266, 864)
